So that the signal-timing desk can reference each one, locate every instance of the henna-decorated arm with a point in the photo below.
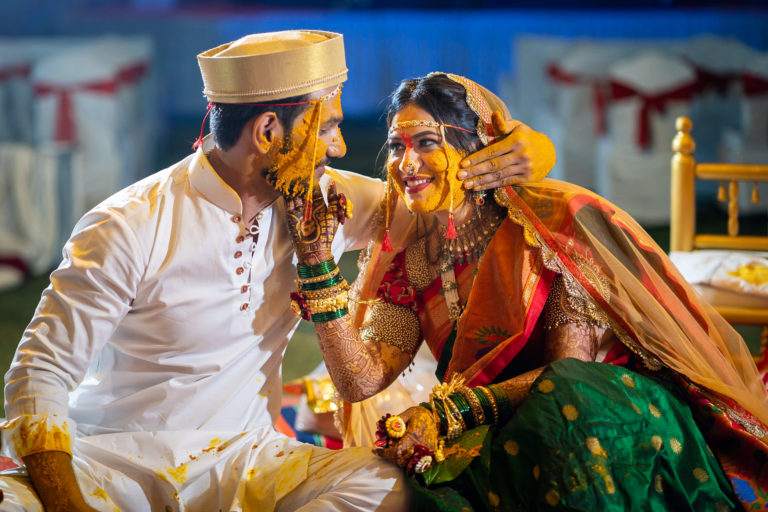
(576, 340)
(360, 366)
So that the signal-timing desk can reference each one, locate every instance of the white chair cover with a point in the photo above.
(719, 63)
(578, 79)
(17, 58)
(749, 143)
(29, 228)
(648, 92)
(15, 97)
(534, 91)
(78, 107)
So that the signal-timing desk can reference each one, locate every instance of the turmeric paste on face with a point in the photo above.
(295, 157)
(442, 165)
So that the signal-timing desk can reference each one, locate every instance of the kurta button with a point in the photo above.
(240, 239)
(244, 307)
(236, 218)
(238, 254)
(244, 288)
(259, 216)
(239, 270)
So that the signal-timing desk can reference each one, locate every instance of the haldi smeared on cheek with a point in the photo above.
(445, 190)
(298, 156)
(291, 157)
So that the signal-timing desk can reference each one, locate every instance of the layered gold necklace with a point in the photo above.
(472, 238)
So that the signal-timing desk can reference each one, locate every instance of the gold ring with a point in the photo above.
(395, 427)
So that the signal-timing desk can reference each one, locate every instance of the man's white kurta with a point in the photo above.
(158, 345)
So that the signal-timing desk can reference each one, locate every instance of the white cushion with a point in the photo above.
(712, 274)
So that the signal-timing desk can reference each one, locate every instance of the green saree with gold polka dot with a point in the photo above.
(590, 436)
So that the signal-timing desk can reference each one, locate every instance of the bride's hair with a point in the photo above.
(445, 100)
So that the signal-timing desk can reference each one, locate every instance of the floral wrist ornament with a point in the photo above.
(344, 210)
(421, 460)
(389, 428)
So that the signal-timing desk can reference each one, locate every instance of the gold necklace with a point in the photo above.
(471, 240)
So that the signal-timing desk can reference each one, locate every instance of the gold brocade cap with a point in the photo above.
(272, 66)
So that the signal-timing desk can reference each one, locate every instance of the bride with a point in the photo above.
(579, 370)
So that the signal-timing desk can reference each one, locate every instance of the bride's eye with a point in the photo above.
(428, 143)
(395, 147)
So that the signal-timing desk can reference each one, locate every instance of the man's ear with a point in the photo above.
(265, 131)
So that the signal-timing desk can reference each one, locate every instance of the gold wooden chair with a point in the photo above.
(683, 235)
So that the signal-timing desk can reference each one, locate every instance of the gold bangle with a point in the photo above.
(317, 279)
(474, 404)
(325, 293)
(494, 407)
(456, 414)
(334, 303)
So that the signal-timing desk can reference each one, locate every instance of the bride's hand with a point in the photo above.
(421, 429)
(312, 238)
(505, 162)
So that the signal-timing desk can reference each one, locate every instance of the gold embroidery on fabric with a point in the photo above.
(394, 325)
(417, 266)
(552, 262)
(747, 424)
(567, 305)
(357, 285)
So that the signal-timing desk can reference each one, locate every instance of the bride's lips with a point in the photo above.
(417, 184)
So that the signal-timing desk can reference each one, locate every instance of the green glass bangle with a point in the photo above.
(426, 405)
(464, 409)
(323, 284)
(502, 401)
(329, 315)
(485, 403)
(306, 271)
(440, 409)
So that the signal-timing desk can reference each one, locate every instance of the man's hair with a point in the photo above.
(227, 120)
(445, 100)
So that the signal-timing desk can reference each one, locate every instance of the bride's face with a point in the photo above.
(422, 170)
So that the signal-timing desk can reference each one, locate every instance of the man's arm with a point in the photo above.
(89, 294)
(54, 480)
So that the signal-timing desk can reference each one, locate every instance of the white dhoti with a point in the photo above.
(260, 470)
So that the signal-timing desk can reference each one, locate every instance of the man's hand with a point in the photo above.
(420, 429)
(505, 162)
(312, 238)
(53, 478)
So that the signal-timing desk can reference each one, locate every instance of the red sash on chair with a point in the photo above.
(66, 130)
(560, 76)
(754, 85)
(657, 102)
(133, 73)
(15, 71)
(707, 80)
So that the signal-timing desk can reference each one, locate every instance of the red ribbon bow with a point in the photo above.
(657, 102)
(66, 130)
(754, 85)
(559, 75)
